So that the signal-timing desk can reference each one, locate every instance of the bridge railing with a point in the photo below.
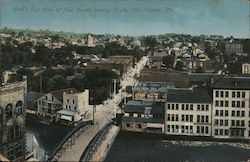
(51, 154)
(87, 152)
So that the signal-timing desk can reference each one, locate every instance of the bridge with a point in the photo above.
(73, 146)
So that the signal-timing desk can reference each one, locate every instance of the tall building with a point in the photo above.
(233, 46)
(188, 112)
(12, 118)
(231, 107)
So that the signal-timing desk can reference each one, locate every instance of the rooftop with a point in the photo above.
(144, 120)
(58, 94)
(153, 86)
(140, 107)
(195, 95)
(232, 82)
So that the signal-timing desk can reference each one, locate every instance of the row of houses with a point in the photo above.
(220, 109)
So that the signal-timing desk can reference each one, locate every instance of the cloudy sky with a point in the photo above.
(130, 17)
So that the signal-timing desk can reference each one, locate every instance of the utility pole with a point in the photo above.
(114, 87)
(94, 110)
(41, 82)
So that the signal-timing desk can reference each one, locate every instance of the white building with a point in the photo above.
(90, 41)
(231, 108)
(246, 68)
(74, 105)
(188, 112)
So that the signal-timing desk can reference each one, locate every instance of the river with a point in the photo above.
(44, 137)
(135, 149)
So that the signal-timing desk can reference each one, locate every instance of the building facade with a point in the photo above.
(231, 103)
(188, 112)
(74, 105)
(246, 68)
(50, 103)
(142, 116)
(12, 118)
(233, 47)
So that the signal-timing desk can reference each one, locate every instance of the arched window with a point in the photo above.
(19, 108)
(8, 111)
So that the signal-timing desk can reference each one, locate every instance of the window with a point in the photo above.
(46, 97)
(216, 93)
(221, 104)
(243, 104)
(237, 113)
(67, 100)
(233, 123)
(233, 94)
(182, 106)
(66, 106)
(187, 106)
(172, 117)
(221, 122)
(243, 94)
(221, 94)
(168, 106)
(198, 129)
(206, 119)
(216, 103)
(216, 132)
(206, 130)
(52, 98)
(233, 103)
(238, 94)
(216, 122)
(128, 125)
(198, 118)
(242, 123)
(202, 107)
(233, 113)
(226, 103)
(226, 122)
(168, 117)
(207, 107)
(191, 118)
(243, 114)
(8, 111)
(226, 94)
(238, 104)
(226, 132)
(191, 107)
(221, 131)
(73, 101)
(221, 112)
(182, 117)
(139, 126)
(168, 128)
(198, 107)
(226, 112)
(10, 153)
(177, 106)
(19, 108)
(216, 112)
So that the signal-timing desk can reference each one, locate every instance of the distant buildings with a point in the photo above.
(233, 46)
(12, 118)
(151, 91)
(90, 41)
(246, 68)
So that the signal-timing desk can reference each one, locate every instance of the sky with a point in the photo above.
(130, 17)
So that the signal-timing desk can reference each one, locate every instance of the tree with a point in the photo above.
(168, 61)
(179, 65)
(57, 82)
(199, 70)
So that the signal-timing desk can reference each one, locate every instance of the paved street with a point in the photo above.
(104, 113)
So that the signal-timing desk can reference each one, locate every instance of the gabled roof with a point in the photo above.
(58, 94)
